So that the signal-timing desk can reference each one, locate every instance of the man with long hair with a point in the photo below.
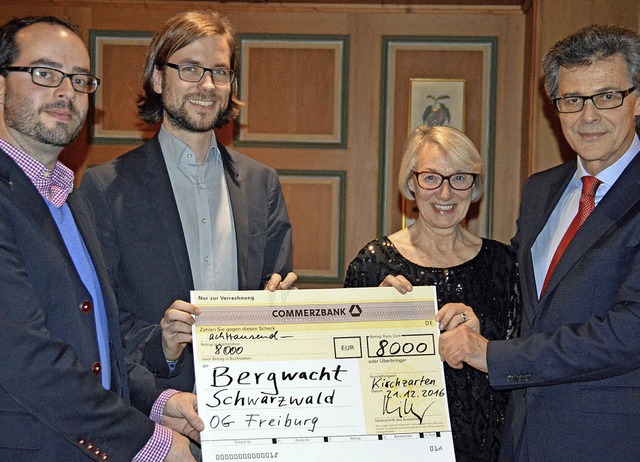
(183, 211)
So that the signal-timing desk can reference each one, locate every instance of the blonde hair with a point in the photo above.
(459, 149)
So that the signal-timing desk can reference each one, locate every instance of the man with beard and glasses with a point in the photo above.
(183, 211)
(66, 390)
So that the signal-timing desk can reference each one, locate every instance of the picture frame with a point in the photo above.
(319, 241)
(117, 58)
(292, 63)
(435, 102)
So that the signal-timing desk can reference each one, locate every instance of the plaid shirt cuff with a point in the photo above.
(159, 444)
(158, 407)
(157, 447)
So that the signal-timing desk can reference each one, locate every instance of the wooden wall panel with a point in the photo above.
(275, 77)
(118, 58)
(118, 99)
(315, 201)
(279, 81)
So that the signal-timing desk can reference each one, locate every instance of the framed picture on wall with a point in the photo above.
(435, 102)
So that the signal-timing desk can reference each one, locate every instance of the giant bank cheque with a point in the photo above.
(316, 375)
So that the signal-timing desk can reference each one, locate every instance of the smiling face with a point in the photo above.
(194, 107)
(41, 118)
(442, 208)
(599, 137)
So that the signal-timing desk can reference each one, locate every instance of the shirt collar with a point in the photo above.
(609, 175)
(179, 153)
(53, 185)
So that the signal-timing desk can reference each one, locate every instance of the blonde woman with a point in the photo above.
(442, 171)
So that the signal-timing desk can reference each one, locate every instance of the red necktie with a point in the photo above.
(587, 204)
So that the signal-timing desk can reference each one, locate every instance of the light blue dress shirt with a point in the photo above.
(205, 212)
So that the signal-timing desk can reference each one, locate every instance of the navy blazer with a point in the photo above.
(50, 399)
(145, 247)
(576, 367)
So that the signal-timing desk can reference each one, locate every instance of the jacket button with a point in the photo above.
(96, 367)
(86, 306)
(104, 456)
(81, 441)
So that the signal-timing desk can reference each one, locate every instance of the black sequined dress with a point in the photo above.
(489, 284)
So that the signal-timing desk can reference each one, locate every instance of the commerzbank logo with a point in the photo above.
(355, 311)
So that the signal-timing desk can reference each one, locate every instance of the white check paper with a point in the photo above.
(316, 375)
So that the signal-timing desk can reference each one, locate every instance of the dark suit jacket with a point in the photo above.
(576, 367)
(49, 396)
(145, 247)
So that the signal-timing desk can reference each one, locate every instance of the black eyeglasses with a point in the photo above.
(192, 73)
(458, 181)
(48, 77)
(604, 100)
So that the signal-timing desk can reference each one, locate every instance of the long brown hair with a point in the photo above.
(178, 32)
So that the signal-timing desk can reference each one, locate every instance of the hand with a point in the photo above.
(277, 283)
(463, 345)
(176, 328)
(181, 414)
(452, 315)
(401, 283)
(180, 450)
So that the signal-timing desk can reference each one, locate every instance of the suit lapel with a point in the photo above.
(238, 198)
(624, 194)
(546, 200)
(83, 222)
(86, 225)
(156, 178)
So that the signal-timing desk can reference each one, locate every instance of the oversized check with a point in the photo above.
(315, 375)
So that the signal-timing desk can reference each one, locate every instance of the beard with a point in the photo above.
(178, 116)
(21, 115)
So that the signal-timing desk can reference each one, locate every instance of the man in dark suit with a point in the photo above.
(183, 211)
(575, 371)
(65, 389)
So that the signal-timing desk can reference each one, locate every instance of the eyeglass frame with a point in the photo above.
(204, 71)
(445, 177)
(31, 69)
(622, 93)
